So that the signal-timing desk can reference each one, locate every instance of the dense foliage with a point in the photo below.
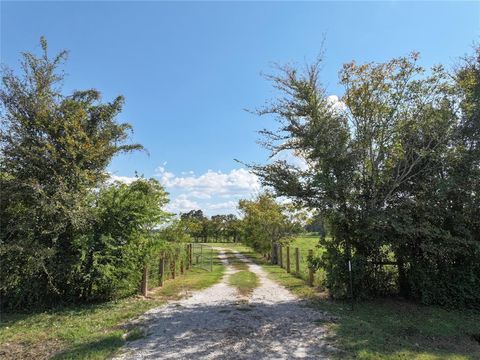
(65, 235)
(394, 168)
(121, 238)
(265, 223)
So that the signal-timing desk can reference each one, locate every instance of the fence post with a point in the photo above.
(288, 258)
(281, 257)
(310, 269)
(297, 261)
(182, 267)
(173, 267)
(274, 254)
(145, 281)
(161, 271)
(190, 254)
(187, 265)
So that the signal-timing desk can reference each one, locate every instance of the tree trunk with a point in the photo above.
(403, 286)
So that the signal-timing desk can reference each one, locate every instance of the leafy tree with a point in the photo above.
(196, 224)
(122, 238)
(387, 167)
(54, 150)
(264, 224)
(223, 227)
(232, 227)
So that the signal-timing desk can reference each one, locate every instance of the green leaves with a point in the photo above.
(393, 167)
(265, 222)
(55, 149)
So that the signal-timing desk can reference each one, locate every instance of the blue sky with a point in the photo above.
(189, 69)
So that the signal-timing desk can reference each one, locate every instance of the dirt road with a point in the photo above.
(216, 323)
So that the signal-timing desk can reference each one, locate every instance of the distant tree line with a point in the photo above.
(394, 169)
(218, 228)
(263, 222)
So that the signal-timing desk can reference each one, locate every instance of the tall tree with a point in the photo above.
(377, 163)
(54, 149)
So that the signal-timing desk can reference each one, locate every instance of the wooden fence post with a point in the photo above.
(186, 252)
(173, 268)
(145, 281)
(280, 256)
(297, 261)
(182, 268)
(190, 254)
(288, 259)
(161, 271)
(310, 269)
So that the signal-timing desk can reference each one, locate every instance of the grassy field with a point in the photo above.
(304, 243)
(90, 331)
(387, 329)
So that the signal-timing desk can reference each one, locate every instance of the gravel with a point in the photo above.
(217, 323)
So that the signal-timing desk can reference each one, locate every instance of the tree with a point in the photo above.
(377, 164)
(264, 224)
(121, 239)
(54, 150)
(232, 228)
(196, 224)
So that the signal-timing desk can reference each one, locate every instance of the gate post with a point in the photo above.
(288, 259)
(310, 269)
(161, 271)
(280, 256)
(297, 261)
(190, 254)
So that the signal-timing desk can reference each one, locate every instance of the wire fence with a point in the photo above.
(295, 261)
(175, 261)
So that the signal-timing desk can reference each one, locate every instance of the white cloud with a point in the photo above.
(182, 204)
(213, 191)
(212, 183)
(123, 179)
(292, 159)
(224, 206)
(336, 103)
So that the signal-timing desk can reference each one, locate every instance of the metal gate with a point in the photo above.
(202, 256)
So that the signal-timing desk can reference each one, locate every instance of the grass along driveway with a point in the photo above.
(91, 331)
(387, 328)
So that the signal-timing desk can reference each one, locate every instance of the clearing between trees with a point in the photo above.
(223, 322)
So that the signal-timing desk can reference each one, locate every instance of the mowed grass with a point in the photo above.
(245, 281)
(386, 328)
(91, 331)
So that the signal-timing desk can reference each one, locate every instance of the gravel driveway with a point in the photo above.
(216, 323)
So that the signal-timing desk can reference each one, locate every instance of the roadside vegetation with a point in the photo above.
(93, 331)
(388, 328)
(389, 179)
(393, 169)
